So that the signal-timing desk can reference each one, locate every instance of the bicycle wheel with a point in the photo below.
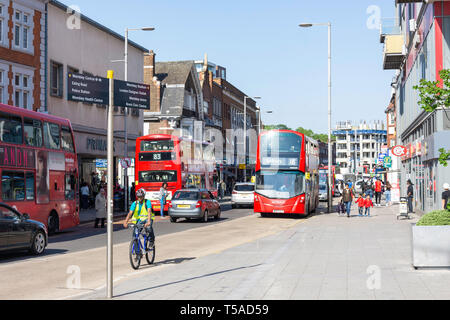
(150, 253)
(135, 254)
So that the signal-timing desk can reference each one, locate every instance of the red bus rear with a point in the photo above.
(167, 158)
(287, 180)
(38, 166)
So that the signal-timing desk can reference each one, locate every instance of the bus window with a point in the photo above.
(32, 132)
(66, 139)
(70, 187)
(51, 133)
(10, 129)
(29, 184)
(13, 186)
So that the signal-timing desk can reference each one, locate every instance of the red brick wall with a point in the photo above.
(25, 59)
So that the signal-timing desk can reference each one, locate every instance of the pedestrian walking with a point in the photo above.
(388, 193)
(219, 190)
(446, 196)
(224, 188)
(84, 196)
(347, 198)
(100, 208)
(378, 192)
(133, 192)
(367, 205)
(360, 202)
(410, 195)
(163, 197)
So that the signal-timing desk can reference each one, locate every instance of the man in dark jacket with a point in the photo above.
(347, 198)
(410, 196)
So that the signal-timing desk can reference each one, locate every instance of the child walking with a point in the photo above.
(368, 204)
(360, 202)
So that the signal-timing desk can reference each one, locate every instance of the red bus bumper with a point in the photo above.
(289, 206)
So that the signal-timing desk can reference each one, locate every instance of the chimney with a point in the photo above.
(149, 79)
(149, 66)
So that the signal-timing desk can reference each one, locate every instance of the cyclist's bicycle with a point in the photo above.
(140, 245)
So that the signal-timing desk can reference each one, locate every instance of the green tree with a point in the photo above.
(434, 95)
(277, 127)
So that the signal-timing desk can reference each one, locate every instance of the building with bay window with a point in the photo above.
(22, 53)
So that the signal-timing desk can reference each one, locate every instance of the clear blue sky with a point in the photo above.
(265, 52)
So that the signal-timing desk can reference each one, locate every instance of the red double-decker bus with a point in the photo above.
(287, 179)
(38, 166)
(180, 162)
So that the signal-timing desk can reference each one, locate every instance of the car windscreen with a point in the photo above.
(244, 187)
(186, 195)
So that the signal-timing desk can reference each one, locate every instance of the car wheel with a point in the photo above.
(205, 216)
(173, 219)
(38, 244)
(233, 206)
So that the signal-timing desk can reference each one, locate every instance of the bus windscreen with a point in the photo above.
(280, 184)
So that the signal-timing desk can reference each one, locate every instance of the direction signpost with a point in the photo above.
(109, 92)
(87, 89)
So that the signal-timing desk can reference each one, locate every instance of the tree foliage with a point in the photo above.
(433, 95)
(307, 132)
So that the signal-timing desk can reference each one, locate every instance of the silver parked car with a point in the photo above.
(194, 204)
(243, 194)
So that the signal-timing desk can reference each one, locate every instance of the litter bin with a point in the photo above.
(403, 208)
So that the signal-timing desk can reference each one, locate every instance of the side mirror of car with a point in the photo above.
(26, 216)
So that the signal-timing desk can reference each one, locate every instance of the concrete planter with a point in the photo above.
(431, 246)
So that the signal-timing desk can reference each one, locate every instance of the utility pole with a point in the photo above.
(110, 201)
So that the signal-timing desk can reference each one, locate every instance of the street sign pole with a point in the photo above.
(110, 203)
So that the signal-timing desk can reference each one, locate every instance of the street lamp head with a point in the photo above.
(148, 29)
(305, 25)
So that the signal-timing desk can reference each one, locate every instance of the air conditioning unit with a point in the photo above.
(412, 25)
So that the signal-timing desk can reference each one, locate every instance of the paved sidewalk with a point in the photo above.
(325, 257)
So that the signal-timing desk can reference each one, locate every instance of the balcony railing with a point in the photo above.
(393, 52)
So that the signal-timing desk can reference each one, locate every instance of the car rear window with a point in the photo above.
(186, 195)
(244, 187)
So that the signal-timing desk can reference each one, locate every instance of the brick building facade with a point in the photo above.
(22, 53)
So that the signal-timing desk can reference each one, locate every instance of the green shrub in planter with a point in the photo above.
(435, 218)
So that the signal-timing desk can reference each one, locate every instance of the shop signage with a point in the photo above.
(87, 89)
(17, 157)
(101, 163)
(95, 144)
(387, 162)
(131, 95)
(399, 151)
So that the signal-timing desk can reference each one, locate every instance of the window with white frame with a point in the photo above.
(23, 88)
(23, 28)
(4, 18)
(3, 84)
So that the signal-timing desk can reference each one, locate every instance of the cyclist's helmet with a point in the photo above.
(140, 193)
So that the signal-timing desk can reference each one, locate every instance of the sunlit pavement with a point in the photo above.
(326, 256)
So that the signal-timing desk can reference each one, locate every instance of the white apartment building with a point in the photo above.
(358, 146)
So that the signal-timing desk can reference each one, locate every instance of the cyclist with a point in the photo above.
(141, 213)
